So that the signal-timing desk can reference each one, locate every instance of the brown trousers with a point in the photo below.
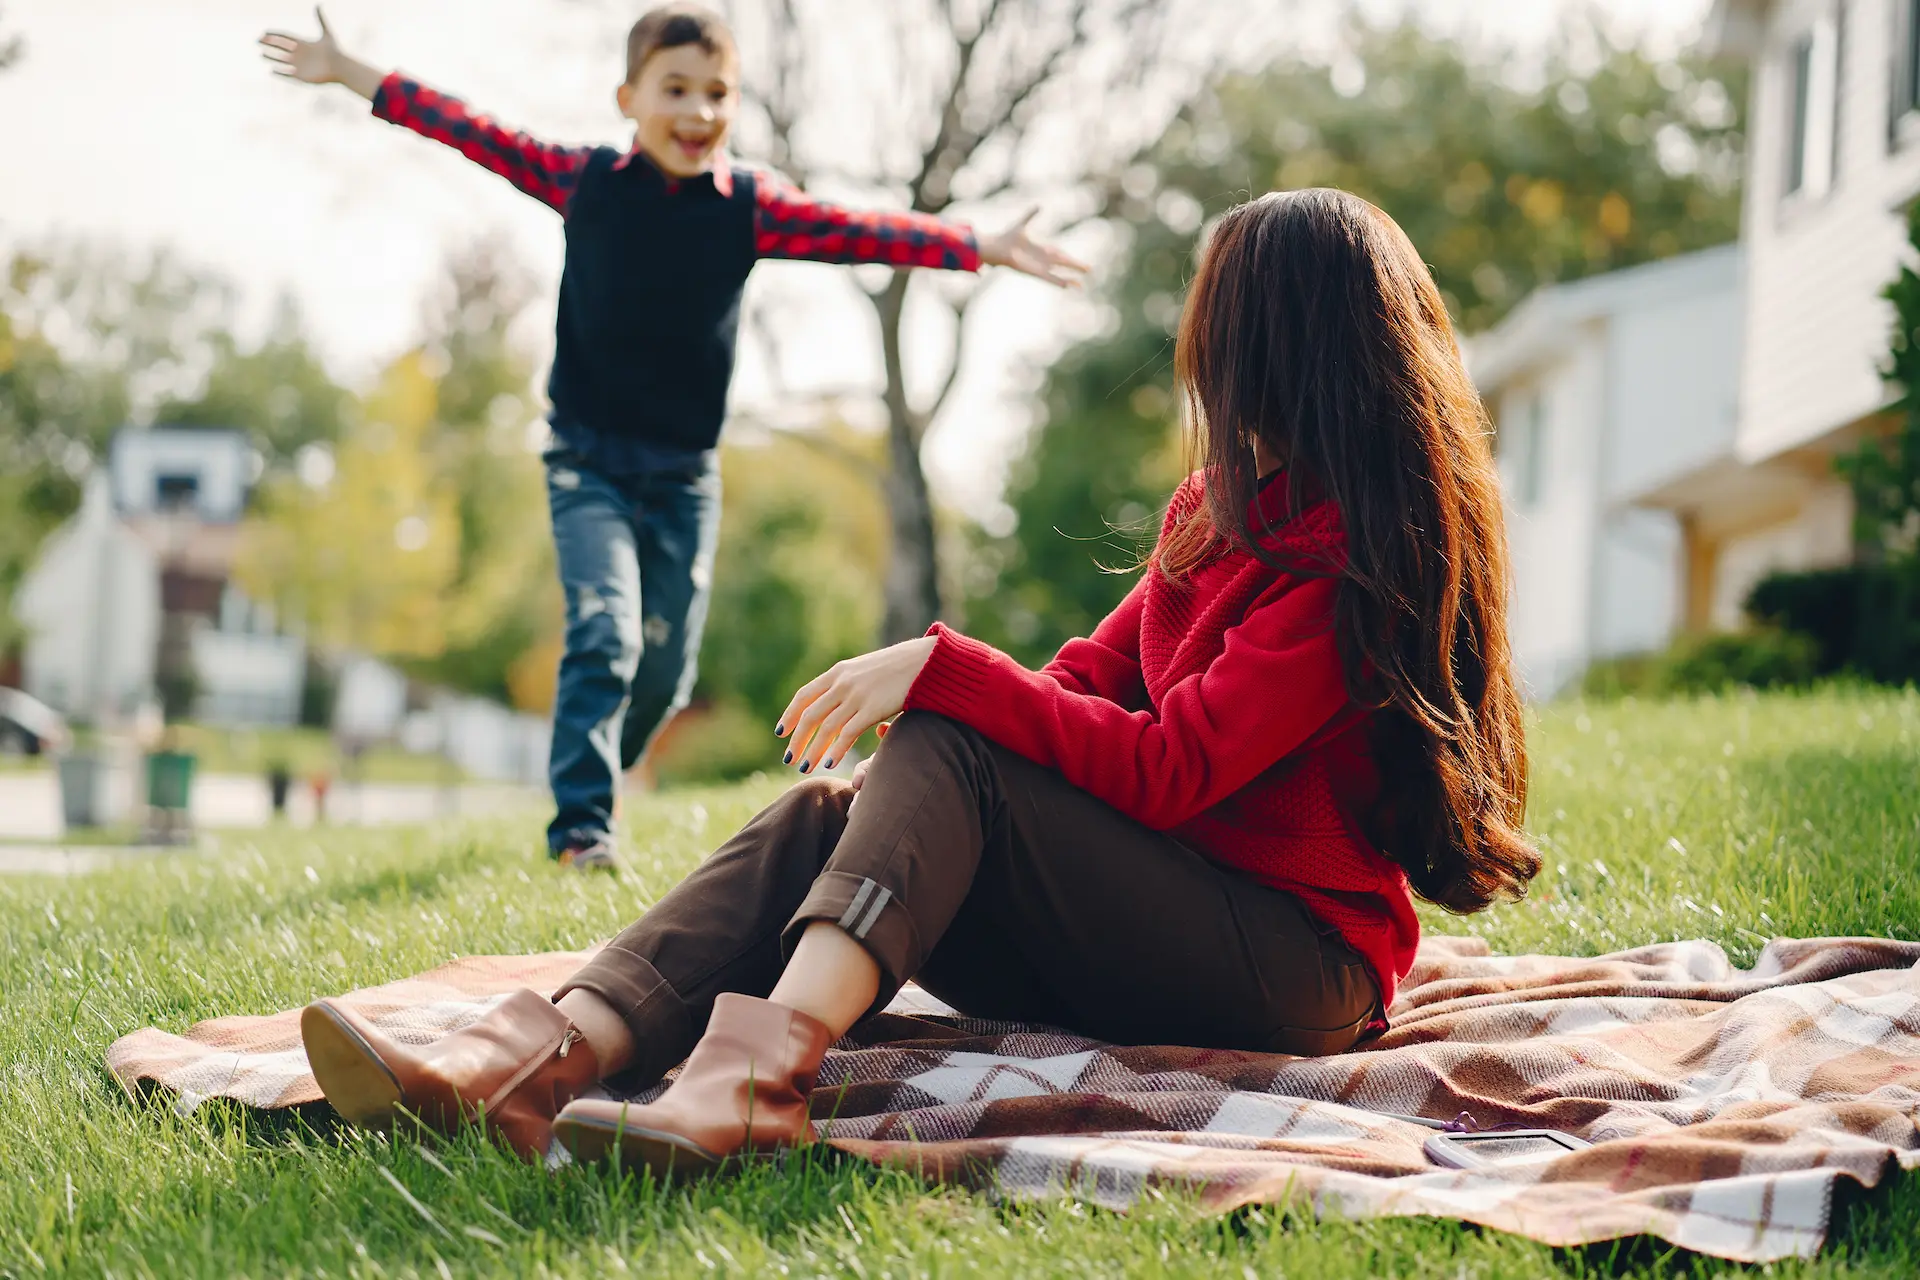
(1005, 891)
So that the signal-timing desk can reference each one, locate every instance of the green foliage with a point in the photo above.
(504, 599)
(1733, 819)
(86, 336)
(1617, 158)
(1884, 472)
(428, 542)
(1864, 618)
(278, 392)
(796, 588)
(1761, 658)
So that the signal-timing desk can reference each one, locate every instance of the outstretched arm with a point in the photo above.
(547, 172)
(789, 223)
(320, 60)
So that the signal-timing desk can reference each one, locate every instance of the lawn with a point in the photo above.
(1731, 819)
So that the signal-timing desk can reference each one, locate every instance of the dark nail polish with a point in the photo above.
(779, 731)
(804, 766)
(826, 764)
(787, 758)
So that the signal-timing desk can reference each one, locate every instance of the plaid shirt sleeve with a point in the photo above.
(788, 223)
(544, 171)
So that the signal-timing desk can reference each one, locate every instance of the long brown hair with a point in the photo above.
(1314, 327)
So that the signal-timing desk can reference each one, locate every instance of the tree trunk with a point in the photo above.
(912, 586)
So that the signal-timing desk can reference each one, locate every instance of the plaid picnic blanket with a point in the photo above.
(1725, 1103)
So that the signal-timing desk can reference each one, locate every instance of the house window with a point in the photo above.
(1906, 60)
(176, 492)
(1813, 66)
(1523, 446)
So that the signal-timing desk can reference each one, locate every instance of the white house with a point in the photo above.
(1833, 161)
(91, 608)
(136, 590)
(1601, 391)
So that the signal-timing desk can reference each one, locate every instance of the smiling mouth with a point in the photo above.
(693, 148)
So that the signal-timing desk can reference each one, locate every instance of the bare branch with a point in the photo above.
(1077, 38)
(957, 358)
(947, 137)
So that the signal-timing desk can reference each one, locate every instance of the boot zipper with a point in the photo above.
(566, 1041)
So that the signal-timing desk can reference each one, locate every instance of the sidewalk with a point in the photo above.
(30, 804)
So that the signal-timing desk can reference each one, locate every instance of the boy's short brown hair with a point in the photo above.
(673, 25)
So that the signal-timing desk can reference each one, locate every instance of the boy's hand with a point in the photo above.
(319, 61)
(1015, 248)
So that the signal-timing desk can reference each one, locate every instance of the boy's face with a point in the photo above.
(682, 104)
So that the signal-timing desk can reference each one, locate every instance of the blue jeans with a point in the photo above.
(636, 562)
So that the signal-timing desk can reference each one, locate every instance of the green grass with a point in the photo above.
(1730, 819)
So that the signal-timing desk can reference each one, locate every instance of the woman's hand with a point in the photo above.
(832, 710)
(1015, 248)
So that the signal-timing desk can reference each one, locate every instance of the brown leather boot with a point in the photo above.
(512, 1070)
(743, 1091)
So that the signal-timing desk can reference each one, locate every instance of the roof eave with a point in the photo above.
(1735, 28)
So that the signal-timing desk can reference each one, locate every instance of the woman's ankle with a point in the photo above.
(830, 977)
(605, 1031)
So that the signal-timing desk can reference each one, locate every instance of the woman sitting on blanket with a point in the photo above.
(1202, 825)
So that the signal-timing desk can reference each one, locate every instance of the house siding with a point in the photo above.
(1552, 538)
(1816, 324)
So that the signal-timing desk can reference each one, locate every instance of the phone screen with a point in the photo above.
(1513, 1150)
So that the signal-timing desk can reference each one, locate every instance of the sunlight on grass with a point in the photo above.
(1732, 819)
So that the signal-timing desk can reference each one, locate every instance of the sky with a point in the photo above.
(148, 123)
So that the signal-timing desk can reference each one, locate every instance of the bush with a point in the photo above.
(1764, 658)
(1625, 676)
(718, 742)
(1864, 618)
(1767, 658)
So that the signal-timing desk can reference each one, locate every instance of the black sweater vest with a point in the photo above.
(649, 310)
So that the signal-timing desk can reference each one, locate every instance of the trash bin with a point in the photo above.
(83, 785)
(279, 784)
(169, 792)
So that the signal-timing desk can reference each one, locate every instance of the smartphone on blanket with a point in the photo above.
(1498, 1150)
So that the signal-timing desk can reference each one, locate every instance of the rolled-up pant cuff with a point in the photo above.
(653, 1011)
(872, 915)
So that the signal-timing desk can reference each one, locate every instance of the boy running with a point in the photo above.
(660, 240)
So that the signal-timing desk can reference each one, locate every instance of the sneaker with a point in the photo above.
(592, 855)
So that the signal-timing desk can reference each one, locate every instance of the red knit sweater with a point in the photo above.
(1213, 709)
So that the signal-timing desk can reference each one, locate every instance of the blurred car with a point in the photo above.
(29, 726)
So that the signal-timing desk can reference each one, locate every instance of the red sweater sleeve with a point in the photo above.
(1106, 663)
(1275, 684)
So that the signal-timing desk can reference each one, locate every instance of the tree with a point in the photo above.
(12, 48)
(361, 559)
(416, 530)
(504, 603)
(1884, 472)
(1616, 157)
(62, 400)
(278, 392)
(993, 102)
(777, 620)
(93, 339)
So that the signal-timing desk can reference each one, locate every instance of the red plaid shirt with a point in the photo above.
(788, 223)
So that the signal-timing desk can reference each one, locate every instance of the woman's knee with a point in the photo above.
(822, 801)
(931, 729)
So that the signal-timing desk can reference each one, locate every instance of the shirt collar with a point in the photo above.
(719, 169)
